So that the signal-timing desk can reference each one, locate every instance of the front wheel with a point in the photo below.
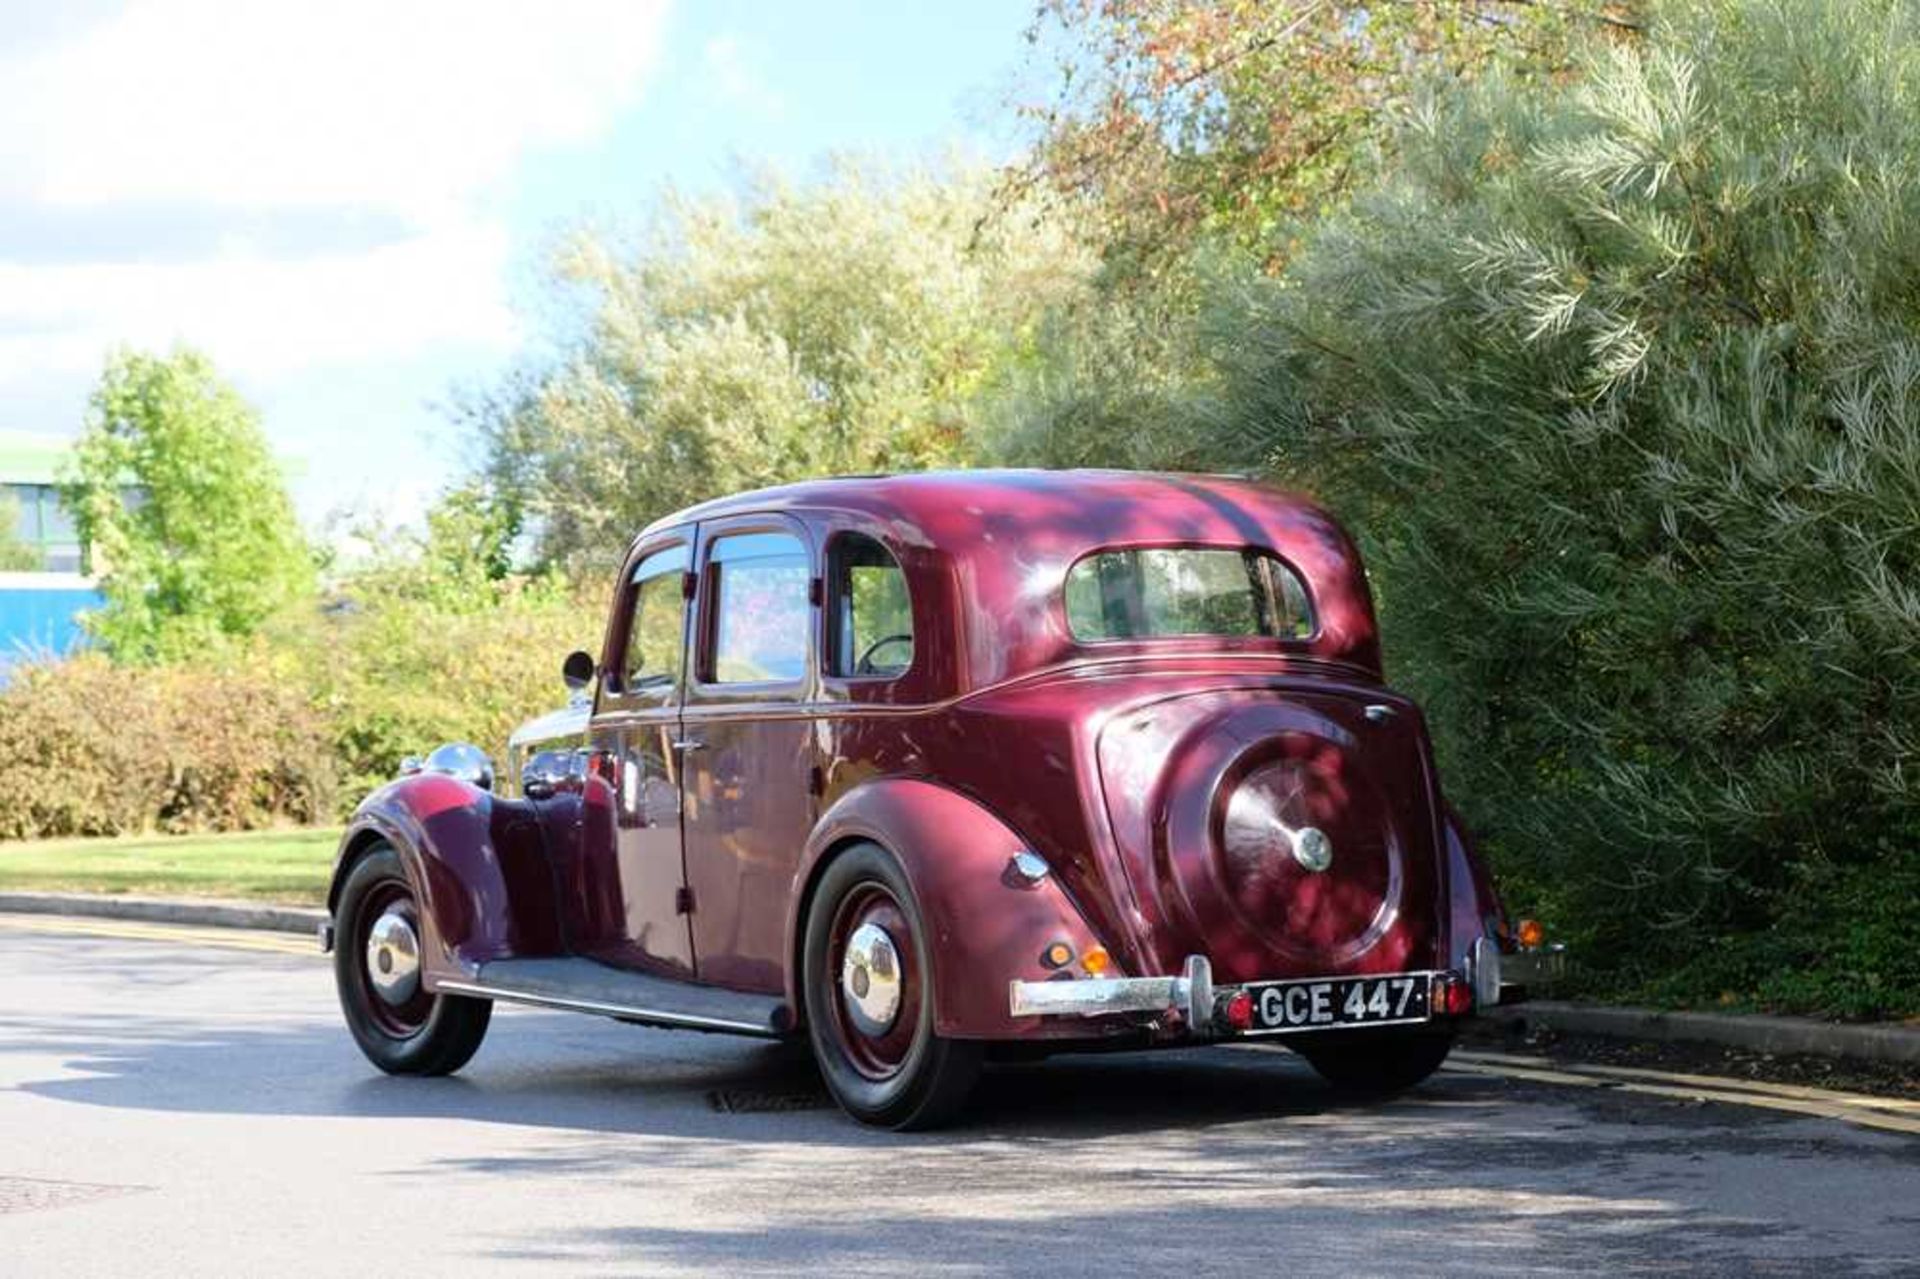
(869, 997)
(400, 1025)
(1377, 1062)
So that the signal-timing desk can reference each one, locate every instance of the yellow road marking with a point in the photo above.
(1852, 1108)
(173, 934)
(1845, 1112)
(1898, 1105)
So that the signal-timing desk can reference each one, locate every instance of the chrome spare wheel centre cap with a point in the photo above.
(1312, 849)
(393, 958)
(870, 979)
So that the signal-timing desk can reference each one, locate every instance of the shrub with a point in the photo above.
(393, 676)
(88, 748)
(1621, 384)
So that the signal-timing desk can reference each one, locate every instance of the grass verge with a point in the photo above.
(289, 866)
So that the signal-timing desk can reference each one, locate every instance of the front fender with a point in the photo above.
(477, 864)
(985, 926)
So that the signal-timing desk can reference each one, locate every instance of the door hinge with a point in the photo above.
(683, 901)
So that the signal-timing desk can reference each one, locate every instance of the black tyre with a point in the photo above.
(401, 1026)
(869, 996)
(1376, 1063)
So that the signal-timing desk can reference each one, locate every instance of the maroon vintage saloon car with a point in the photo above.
(932, 768)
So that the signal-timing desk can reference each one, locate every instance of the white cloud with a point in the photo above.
(374, 139)
(262, 315)
(395, 105)
(734, 79)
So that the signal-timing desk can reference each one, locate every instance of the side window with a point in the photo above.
(869, 621)
(656, 629)
(757, 589)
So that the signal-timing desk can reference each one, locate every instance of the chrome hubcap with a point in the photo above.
(870, 979)
(393, 958)
(1312, 849)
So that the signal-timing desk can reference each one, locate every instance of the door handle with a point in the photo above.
(688, 744)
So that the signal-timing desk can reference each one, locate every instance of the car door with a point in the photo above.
(632, 900)
(748, 798)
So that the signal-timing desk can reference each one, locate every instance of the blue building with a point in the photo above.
(40, 601)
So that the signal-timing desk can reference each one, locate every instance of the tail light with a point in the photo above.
(1452, 996)
(1237, 1009)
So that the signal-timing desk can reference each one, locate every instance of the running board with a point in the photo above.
(585, 986)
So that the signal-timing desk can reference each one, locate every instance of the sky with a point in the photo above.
(346, 205)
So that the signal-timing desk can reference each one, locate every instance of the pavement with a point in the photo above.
(182, 1102)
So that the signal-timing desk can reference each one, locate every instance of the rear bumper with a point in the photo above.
(1509, 977)
(1190, 995)
(1534, 967)
(1494, 977)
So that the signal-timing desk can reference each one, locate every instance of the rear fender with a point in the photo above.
(1475, 908)
(477, 865)
(986, 926)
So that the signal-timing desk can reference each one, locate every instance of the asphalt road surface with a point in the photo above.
(186, 1103)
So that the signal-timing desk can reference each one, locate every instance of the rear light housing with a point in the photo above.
(1452, 995)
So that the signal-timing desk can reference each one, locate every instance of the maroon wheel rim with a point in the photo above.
(402, 1020)
(882, 1055)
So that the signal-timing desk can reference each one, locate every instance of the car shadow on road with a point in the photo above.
(1243, 1154)
(563, 1072)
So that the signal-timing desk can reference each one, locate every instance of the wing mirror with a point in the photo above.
(577, 671)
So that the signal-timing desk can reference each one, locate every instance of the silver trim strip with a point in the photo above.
(687, 1021)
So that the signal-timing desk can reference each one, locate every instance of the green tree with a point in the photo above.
(1190, 142)
(181, 509)
(844, 325)
(1619, 383)
(15, 555)
(1233, 120)
(436, 637)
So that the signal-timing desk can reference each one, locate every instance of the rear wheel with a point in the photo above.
(400, 1025)
(869, 997)
(1376, 1062)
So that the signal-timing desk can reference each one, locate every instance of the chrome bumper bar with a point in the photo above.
(1504, 978)
(1541, 967)
(1190, 995)
(1494, 977)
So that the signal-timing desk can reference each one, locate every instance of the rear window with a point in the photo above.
(1139, 594)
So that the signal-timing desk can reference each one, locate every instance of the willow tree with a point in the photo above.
(1623, 385)
(848, 324)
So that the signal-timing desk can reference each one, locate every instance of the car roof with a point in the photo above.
(1175, 503)
(1010, 536)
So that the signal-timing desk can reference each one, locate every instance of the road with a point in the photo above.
(177, 1103)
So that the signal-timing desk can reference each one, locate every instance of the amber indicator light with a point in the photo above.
(1531, 933)
(1058, 955)
(1096, 960)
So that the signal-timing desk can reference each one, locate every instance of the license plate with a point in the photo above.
(1333, 1002)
